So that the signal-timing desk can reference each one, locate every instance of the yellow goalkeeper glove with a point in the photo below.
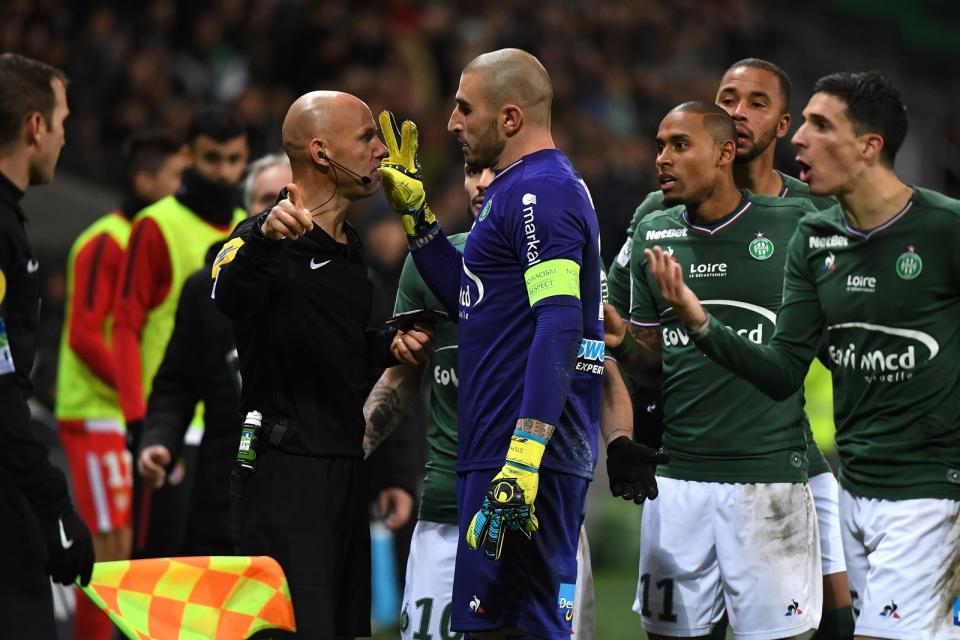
(508, 505)
(400, 172)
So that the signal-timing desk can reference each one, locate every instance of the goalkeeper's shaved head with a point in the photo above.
(513, 76)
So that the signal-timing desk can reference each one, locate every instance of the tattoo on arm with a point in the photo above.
(388, 402)
(383, 414)
(536, 427)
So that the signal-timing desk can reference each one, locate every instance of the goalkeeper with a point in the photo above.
(526, 294)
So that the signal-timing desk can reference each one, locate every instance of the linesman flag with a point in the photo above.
(223, 597)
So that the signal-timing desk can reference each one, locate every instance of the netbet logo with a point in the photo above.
(827, 242)
(530, 229)
(666, 233)
(893, 363)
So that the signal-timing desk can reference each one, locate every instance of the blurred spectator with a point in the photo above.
(168, 241)
(266, 177)
(616, 66)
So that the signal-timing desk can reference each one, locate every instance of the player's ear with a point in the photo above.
(512, 118)
(34, 127)
(783, 126)
(871, 145)
(726, 152)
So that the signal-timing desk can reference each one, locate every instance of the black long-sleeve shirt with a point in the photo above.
(23, 459)
(300, 310)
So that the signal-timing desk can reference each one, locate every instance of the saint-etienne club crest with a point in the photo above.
(761, 248)
(909, 264)
(485, 210)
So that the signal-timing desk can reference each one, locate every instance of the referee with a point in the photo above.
(294, 283)
(40, 532)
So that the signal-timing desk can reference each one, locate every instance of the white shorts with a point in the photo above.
(751, 550)
(903, 562)
(428, 588)
(826, 493)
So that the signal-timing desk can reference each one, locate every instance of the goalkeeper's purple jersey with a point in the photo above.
(535, 242)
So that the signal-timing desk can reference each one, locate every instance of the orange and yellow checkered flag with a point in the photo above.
(223, 597)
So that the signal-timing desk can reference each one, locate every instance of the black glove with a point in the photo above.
(70, 549)
(630, 467)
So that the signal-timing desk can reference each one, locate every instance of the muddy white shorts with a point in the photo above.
(751, 550)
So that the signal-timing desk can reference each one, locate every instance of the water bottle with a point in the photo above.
(249, 436)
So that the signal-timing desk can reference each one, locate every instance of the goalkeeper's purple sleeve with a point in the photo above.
(440, 264)
(552, 358)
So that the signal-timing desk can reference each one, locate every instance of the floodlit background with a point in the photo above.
(617, 66)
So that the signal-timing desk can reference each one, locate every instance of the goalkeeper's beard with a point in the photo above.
(488, 149)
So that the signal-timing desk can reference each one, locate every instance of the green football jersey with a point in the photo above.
(618, 275)
(620, 287)
(438, 500)
(717, 427)
(889, 299)
(793, 188)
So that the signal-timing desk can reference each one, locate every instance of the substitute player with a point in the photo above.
(879, 273)
(756, 94)
(88, 412)
(734, 529)
(527, 295)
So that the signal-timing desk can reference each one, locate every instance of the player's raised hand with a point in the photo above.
(630, 467)
(614, 328)
(288, 218)
(400, 174)
(414, 345)
(669, 276)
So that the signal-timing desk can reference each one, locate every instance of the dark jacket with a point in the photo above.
(23, 460)
(300, 309)
(199, 366)
(33, 493)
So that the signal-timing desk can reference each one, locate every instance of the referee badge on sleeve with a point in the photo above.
(226, 256)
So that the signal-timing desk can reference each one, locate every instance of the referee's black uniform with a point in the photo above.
(33, 493)
(300, 310)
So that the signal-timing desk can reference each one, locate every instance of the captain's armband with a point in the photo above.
(558, 277)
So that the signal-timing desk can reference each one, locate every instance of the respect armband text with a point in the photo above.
(558, 277)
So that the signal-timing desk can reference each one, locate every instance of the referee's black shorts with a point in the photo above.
(310, 514)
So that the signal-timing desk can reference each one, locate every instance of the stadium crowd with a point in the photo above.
(162, 65)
